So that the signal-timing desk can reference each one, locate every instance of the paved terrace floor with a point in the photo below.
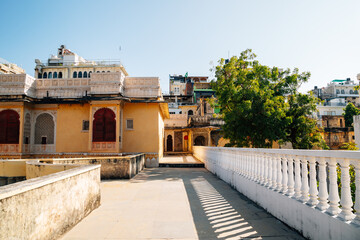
(177, 203)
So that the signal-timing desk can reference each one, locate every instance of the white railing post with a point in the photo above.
(279, 173)
(266, 167)
(323, 192)
(357, 192)
(333, 188)
(313, 184)
(258, 167)
(304, 180)
(269, 176)
(262, 168)
(290, 186)
(274, 173)
(346, 201)
(284, 174)
(297, 187)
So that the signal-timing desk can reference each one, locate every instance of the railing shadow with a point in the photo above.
(218, 211)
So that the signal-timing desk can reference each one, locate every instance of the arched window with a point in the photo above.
(55, 75)
(351, 91)
(44, 129)
(45, 75)
(169, 143)
(60, 74)
(39, 75)
(108, 71)
(104, 126)
(9, 127)
(190, 112)
(90, 74)
(337, 91)
(80, 75)
(199, 141)
(342, 91)
(98, 71)
(75, 74)
(103, 71)
(50, 75)
(85, 74)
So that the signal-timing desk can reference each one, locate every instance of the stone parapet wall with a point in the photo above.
(140, 87)
(17, 84)
(46, 207)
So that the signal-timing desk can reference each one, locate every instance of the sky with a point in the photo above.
(162, 37)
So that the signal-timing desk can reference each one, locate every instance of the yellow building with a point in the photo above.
(80, 107)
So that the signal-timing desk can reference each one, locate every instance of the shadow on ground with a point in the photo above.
(220, 212)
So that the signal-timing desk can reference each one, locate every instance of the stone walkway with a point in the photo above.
(180, 158)
(174, 203)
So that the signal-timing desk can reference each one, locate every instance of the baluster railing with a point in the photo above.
(262, 168)
(357, 192)
(279, 173)
(304, 180)
(297, 186)
(345, 201)
(269, 176)
(313, 184)
(333, 188)
(284, 174)
(274, 173)
(323, 192)
(290, 186)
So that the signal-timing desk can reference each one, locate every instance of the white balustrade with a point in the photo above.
(294, 173)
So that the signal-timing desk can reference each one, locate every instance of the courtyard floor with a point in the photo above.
(177, 203)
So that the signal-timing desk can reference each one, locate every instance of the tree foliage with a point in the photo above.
(350, 111)
(261, 105)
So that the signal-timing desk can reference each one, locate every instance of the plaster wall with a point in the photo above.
(145, 134)
(70, 137)
(12, 168)
(58, 202)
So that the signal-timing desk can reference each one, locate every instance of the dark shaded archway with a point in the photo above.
(104, 126)
(199, 141)
(169, 143)
(9, 127)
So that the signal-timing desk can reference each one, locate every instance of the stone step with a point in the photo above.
(182, 165)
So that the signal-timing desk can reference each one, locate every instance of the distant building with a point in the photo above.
(76, 106)
(357, 130)
(192, 121)
(335, 132)
(10, 68)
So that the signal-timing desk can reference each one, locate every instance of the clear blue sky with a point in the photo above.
(162, 37)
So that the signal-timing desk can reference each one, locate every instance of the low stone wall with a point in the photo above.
(46, 207)
(121, 167)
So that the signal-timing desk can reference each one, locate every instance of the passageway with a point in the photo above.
(177, 203)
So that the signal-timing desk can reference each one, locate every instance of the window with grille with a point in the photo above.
(85, 125)
(129, 124)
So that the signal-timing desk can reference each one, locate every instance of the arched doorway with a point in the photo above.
(169, 143)
(9, 127)
(104, 126)
(190, 113)
(199, 141)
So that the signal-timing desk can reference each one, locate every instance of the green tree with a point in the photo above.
(350, 111)
(302, 131)
(261, 105)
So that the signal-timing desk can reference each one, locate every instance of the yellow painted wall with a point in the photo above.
(146, 134)
(13, 168)
(69, 134)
